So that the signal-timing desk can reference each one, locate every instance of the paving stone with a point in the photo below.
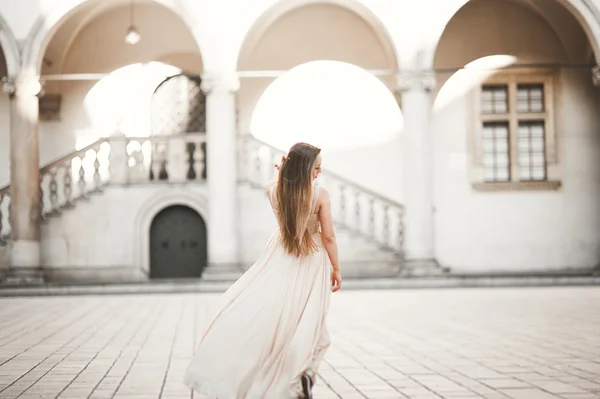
(523, 343)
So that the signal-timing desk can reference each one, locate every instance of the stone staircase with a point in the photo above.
(369, 227)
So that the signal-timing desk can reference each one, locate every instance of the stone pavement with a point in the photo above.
(524, 343)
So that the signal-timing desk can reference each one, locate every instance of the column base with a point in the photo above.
(24, 276)
(25, 266)
(25, 254)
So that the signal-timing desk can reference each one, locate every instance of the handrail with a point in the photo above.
(343, 180)
(72, 155)
(359, 210)
(63, 159)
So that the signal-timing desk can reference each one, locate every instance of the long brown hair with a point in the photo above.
(294, 198)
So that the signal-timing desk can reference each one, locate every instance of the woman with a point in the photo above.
(269, 334)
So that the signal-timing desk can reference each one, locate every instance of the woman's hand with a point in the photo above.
(336, 280)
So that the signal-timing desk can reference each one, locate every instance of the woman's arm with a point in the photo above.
(328, 232)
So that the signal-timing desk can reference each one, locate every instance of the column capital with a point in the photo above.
(416, 80)
(220, 81)
(596, 75)
(22, 85)
(9, 86)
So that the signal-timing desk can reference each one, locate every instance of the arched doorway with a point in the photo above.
(178, 243)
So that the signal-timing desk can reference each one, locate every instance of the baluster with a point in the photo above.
(386, 225)
(257, 165)
(10, 215)
(5, 229)
(42, 213)
(1, 217)
(358, 222)
(342, 204)
(191, 155)
(68, 189)
(155, 167)
(164, 161)
(198, 160)
(245, 160)
(371, 224)
(400, 231)
(136, 168)
(204, 156)
(97, 178)
(53, 187)
(81, 183)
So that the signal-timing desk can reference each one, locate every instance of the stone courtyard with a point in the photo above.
(527, 343)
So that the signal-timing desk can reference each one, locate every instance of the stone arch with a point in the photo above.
(46, 26)
(374, 48)
(152, 207)
(10, 48)
(282, 7)
(583, 11)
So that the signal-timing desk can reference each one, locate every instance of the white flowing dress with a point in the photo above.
(269, 327)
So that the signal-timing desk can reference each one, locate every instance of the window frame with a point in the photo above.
(512, 78)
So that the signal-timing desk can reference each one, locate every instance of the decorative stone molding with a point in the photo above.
(13, 85)
(550, 185)
(9, 86)
(214, 81)
(596, 75)
(417, 80)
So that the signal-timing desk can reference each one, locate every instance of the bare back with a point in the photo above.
(313, 221)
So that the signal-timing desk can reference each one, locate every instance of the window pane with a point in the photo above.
(537, 159)
(524, 131)
(488, 160)
(537, 106)
(488, 131)
(524, 145)
(488, 146)
(494, 99)
(537, 130)
(501, 130)
(537, 145)
(502, 146)
(532, 155)
(502, 175)
(522, 106)
(502, 160)
(501, 108)
(496, 158)
(539, 174)
(530, 98)
(486, 96)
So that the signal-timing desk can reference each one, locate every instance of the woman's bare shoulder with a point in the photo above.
(323, 194)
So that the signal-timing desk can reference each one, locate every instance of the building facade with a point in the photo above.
(128, 150)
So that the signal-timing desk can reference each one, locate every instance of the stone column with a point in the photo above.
(221, 160)
(596, 75)
(417, 165)
(24, 172)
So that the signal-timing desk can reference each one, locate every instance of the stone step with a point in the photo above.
(22, 276)
(351, 270)
(195, 286)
